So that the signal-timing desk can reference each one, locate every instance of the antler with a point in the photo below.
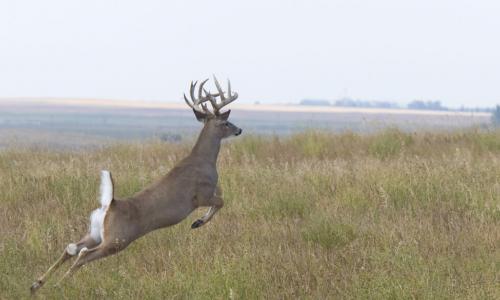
(224, 100)
(201, 99)
(198, 104)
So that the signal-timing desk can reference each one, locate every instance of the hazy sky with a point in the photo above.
(276, 51)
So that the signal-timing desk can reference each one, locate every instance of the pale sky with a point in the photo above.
(272, 50)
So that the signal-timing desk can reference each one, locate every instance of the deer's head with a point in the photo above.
(215, 122)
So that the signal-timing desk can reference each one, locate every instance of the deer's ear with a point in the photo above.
(224, 116)
(199, 116)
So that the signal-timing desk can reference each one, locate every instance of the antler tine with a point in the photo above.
(232, 97)
(191, 92)
(187, 101)
(224, 100)
(200, 90)
(211, 98)
(196, 103)
(205, 108)
(219, 89)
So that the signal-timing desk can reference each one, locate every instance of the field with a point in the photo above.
(318, 215)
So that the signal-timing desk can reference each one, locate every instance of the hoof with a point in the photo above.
(35, 286)
(197, 224)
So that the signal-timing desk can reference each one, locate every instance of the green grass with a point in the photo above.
(391, 215)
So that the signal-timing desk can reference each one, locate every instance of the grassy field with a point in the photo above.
(316, 215)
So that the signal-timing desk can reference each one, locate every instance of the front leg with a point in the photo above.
(215, 204)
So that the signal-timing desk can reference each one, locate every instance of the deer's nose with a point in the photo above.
(238, 132)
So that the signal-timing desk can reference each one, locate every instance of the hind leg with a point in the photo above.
(87, 255)
(71, 250)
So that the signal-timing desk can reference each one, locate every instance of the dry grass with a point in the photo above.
(385, 216)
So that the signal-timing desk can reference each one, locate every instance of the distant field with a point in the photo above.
(89, 123)
(315, 215)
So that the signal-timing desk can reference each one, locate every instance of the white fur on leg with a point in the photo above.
(72, 268)
(71, 249)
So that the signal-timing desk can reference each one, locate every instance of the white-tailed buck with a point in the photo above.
(190, 184)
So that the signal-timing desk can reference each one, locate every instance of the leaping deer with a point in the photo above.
(192, 183)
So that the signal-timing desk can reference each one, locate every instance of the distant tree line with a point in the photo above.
(315, 102)
(415, 104)
(348, 102)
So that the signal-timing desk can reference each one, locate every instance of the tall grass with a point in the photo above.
(386, 216)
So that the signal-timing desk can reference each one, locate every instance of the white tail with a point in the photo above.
(106, 188)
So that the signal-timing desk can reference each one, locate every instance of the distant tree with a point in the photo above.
(385, 104)
(416, 104)
(495, 117)
(348, 102)
(427, 105)
(345, 102)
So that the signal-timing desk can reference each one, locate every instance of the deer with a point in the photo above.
(190, 184)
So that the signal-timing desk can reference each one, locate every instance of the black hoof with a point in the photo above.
(35, 286)
(197, 224)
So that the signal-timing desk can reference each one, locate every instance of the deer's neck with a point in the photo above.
(207, 146)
